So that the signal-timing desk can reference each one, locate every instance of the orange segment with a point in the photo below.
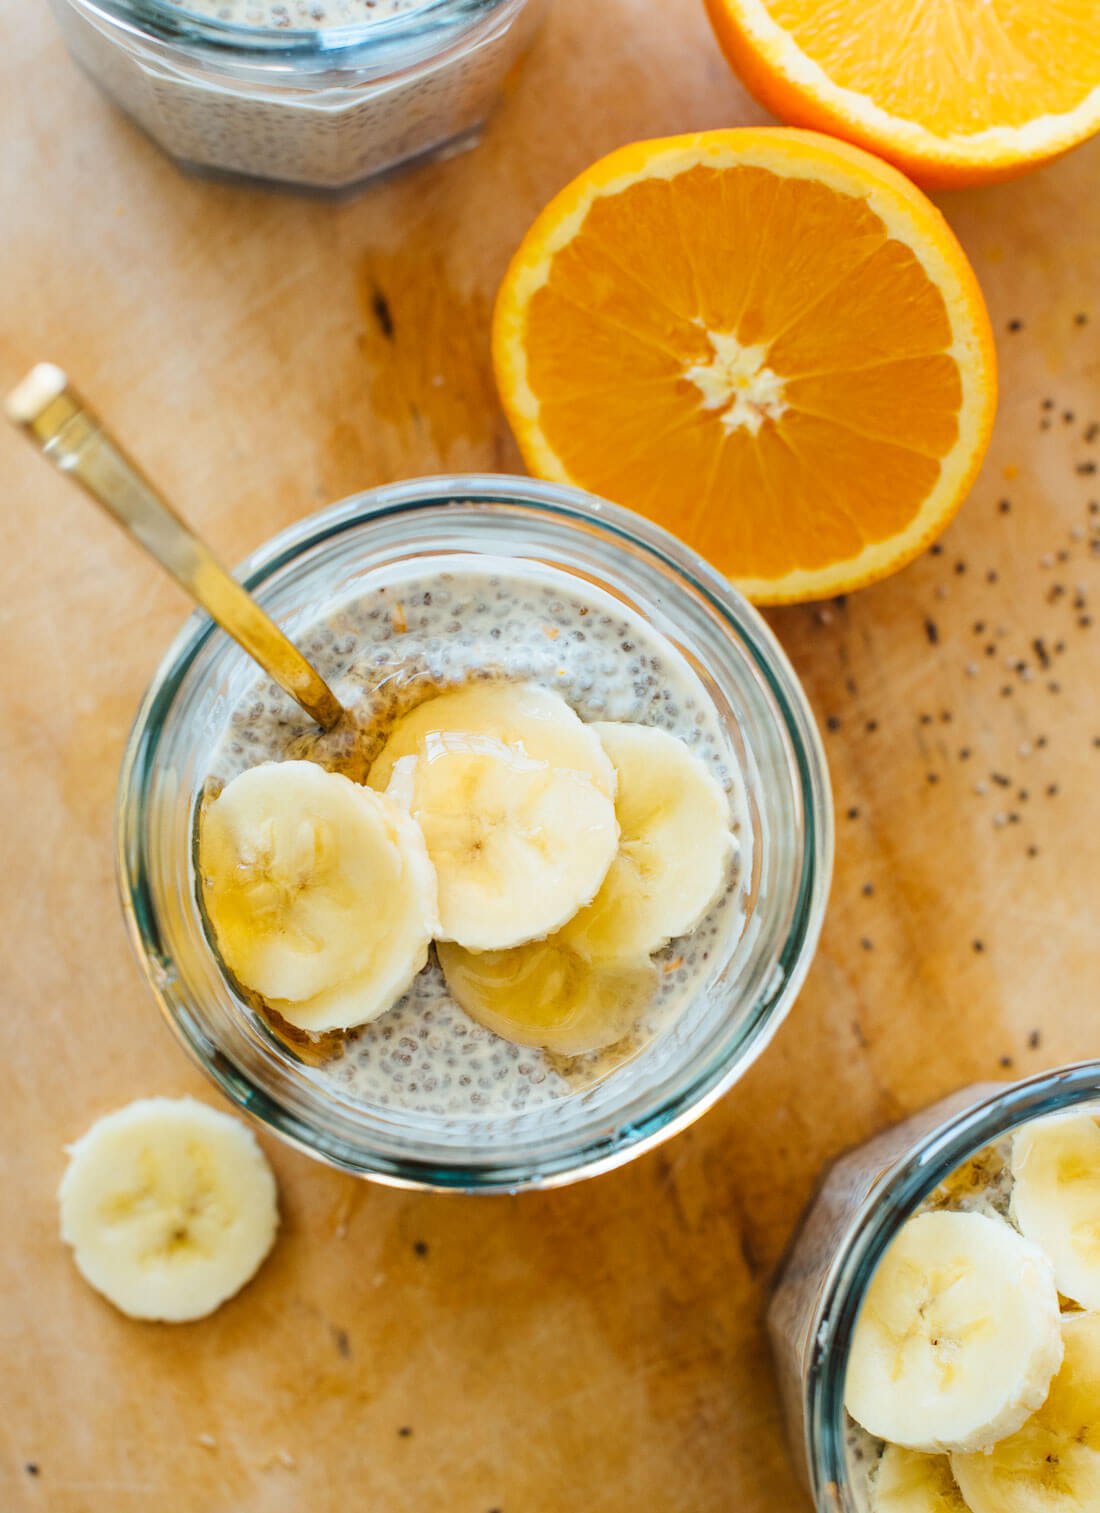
(955, 92)
(768, 342)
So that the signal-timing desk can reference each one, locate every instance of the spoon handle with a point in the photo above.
(71, 435)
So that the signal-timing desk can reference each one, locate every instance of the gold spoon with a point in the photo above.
(71, 435)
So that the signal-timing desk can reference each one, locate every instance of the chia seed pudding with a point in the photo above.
(327, 114)
(303, 14)
(439, 623)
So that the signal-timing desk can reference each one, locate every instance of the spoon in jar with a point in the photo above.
(46, 407)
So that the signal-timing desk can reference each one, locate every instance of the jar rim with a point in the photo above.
(891, 1201)
(723, 1065)
(166, 22)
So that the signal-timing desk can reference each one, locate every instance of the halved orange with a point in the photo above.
(952, 91)
(768, 341)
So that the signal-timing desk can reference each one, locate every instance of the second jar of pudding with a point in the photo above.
(585, 640)
(321, 94)
(936, 1324)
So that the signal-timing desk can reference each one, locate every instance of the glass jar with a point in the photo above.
(323, 109)
(864, 1200)
(752, 978)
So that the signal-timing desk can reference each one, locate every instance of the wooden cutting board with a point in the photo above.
(601, 1347)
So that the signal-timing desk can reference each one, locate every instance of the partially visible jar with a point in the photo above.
(861, 1205)
(326, 108)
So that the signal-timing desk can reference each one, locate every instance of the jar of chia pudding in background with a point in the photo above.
(323, 94)
(393, 594)
(927, 1161)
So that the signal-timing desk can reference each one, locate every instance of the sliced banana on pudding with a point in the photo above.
(910, 1481)
(674, 851)
(958, 1337)
(169, 1206)
(546, 994)
(535, 721)
(311, 883)
(1056, 1199)
(518, 846)
(1052, 1463)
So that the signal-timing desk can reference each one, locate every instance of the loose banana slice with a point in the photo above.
(958, 1336)
(169, 1206)
(539, 723)
(311, 881)
(909, 1481)
(546, 994)
(517, 845)
(1056, 1199)
(1052, 1464)
(674, 850)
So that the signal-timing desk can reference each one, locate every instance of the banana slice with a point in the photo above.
(170, 1207)
(546, 994)
(674, 851)
(517, 845)
(909, 1481)
(311, 881)
(958, 1336)
(1052, 1464)
(1056, 1199)
(540, 724)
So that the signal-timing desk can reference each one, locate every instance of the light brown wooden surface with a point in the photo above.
(600, 1347)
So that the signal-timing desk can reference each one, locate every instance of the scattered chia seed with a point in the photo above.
(380, 308)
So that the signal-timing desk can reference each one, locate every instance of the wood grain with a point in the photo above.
(600, 1347)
